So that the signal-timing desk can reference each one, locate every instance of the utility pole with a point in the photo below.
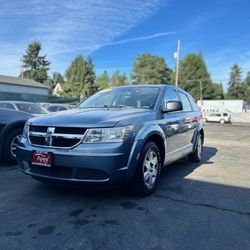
(177, 56)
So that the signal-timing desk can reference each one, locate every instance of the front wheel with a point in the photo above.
(222, 121)
(10, 145)
(148, 170)
(196, 155)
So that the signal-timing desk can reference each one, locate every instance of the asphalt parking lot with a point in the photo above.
(205, 206)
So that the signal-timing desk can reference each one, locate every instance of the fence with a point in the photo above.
(4, 96)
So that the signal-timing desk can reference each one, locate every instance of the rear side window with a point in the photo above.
(193, 103)
(9, 106)
(185, 102)
(171, 95)
(6, 106)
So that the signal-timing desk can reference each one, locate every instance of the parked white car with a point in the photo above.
(219, 117)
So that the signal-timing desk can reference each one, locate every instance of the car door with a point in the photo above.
(170, 123)
(189, 120)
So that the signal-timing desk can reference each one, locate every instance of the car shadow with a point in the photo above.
(171, 173)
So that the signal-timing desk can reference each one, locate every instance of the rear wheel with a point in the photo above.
(10, 145)
(222, 121)
(148, 170)
(196, 156)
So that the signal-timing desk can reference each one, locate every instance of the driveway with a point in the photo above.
(204, 206)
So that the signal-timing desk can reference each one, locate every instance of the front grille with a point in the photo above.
(91, 174)
(58, 172)
(81, 174)
(55, 137)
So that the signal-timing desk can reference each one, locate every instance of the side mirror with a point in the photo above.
(172, 106)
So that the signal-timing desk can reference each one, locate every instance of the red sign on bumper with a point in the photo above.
(42, 158)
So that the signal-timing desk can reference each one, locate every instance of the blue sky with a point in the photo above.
(113, 32)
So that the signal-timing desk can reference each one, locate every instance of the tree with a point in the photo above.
(89, 79)
(75, 77)
(247, 81)
(194, 74)
(103, 80)
(57, 78)
(35, 66)
(247, 88)
(118, 79)
(217, 92)
(148, 69)
(237, 89)
(235, 76)
(53, 80)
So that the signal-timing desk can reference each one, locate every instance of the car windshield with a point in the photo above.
(125, 97)
(31, 108)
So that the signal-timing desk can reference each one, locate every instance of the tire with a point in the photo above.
(10, 144)
(222, 121)
(196, 156)
(147, 174)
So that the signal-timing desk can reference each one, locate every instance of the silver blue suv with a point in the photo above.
(119, 136)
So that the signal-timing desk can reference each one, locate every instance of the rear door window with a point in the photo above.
(9, 106)
(185, 102)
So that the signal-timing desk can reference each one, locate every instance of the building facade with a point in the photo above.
(231, 106)
(15, 88)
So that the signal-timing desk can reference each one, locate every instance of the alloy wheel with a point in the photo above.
(150, 168)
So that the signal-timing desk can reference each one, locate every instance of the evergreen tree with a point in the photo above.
(194, 75)
(118, 79)
(53, 80)
(247, 81)
(235, 76)
(75, 77)
(236, 90)
(148, 69)
(217, 92)
(35, 66)
(103, 80)
(247, 88)
(57, 78)
(89, 79)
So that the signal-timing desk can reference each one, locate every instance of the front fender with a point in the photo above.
(145, 131)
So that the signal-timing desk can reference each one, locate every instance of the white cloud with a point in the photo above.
(67, 24)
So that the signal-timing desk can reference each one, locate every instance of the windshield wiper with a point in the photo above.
(116, 106)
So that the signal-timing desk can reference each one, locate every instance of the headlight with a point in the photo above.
(26, 129)
(99, 135)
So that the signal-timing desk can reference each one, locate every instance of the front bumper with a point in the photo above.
(104, 163)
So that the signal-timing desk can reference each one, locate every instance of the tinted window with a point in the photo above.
(56, 108)
(171, 95)
(193, 103)
(9, 106)
(225, 114)
(32, 108)
(6, 106)
(185, 102)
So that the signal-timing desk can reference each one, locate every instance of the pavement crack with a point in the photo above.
(203, 205)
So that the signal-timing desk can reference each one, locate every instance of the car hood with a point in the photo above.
(95, 117)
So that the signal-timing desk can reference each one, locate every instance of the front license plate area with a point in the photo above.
(42, 158)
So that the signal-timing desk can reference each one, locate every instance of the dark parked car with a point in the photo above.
(29, 107)
(57, 107)
(11, 129)
(124, 135)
